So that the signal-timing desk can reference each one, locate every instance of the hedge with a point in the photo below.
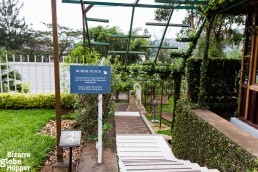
(28, 101)
(222, 80)
(196, 140)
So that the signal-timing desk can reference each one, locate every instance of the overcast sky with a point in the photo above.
(37, 11)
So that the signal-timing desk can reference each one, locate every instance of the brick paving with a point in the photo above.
(167, 116)
(129, 124)
(122, 107)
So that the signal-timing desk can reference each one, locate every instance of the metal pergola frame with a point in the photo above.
(163, 6)
(167, 4)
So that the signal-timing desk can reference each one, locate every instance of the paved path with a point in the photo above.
(129, 123)
(140, 151)
(121, 106)
(150, 153)
(89, 156)
(137, 150)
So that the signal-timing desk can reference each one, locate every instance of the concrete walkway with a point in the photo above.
(140, 151)
(137, 149)
(89, 156)
(88, 160)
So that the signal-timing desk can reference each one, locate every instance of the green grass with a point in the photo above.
(164, 132)
(70, 116)
(158, 118)
(19, 133)
(165, 107)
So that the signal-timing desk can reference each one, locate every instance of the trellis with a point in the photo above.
(214, 7)
(165, 4)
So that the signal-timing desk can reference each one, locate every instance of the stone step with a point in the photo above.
(139, 153)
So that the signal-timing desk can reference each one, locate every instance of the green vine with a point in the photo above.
(198, 141)
(177, 54)
(205, 63)
(214, 6)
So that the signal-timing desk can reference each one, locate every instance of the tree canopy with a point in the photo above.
(41, 41)
(13, 29)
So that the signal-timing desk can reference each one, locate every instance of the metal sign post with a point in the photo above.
(92, 80)
(99, 144)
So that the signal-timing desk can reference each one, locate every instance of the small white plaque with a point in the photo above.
(70, 138)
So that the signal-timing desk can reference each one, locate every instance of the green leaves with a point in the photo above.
(198, 141)
(147, 70)
(216, 5)
(13, 29)
(221, 80)
(24, 101)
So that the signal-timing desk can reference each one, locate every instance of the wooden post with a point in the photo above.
(57, 82)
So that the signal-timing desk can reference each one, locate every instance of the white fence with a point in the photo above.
(37, 73)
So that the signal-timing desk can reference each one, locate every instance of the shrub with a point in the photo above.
(28, 101)
(68, 101)
(198, 141)
(87, 112)
(222, 84)
(222, 80)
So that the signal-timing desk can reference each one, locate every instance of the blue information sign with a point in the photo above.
(90, 79)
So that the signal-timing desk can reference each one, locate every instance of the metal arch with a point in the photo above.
(164, 24)
(173, 4)
(87, 32)
(87, 28)
(55, 46)
(84, 11)
(130, 31)
(157, 46)
(132, 4)
(97, 20)
(132, 36)
(194, 2)
(165, 31)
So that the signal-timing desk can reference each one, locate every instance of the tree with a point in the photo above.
(41, 42)
(225, 31)
(102, 34)
(77, 55)
(135, 45)
(13, 30)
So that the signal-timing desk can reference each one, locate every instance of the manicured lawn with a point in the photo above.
(19, 133)
(158, 118)
(164, 132)
(165, 107)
